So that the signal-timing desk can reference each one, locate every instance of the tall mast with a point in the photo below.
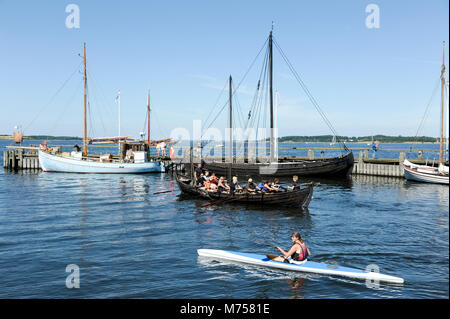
(272, 150)
(231, 129)
(148, 119)
(118, 103)
(441, 150)
(85, 107)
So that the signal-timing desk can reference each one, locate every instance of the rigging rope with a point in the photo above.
(425, 114)
(54, 96)
(308, 93)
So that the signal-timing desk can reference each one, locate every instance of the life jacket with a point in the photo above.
(301, 254)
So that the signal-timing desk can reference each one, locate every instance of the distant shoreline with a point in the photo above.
(286, 139)
(42, 137)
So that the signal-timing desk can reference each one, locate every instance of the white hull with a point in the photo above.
(307, 266)
(60, 164)
(423, 173)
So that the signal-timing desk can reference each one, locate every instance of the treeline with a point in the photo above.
(43, 137)
(378, 138)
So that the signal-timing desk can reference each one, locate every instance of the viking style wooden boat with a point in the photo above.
(326, 167)
(294, 199)
(431, 174)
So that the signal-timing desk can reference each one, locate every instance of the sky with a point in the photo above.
(367, 80)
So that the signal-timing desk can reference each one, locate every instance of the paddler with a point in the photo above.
(298, 251)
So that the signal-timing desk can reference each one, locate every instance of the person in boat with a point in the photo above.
(295, 183)
(213, 179)
(270, 187)
(251, 187)
(44, 147)
(200, 181)
(197, 172)
(222, 185)
(264, 187)
(234, 186)
(298, 252)
(276, 185)
(129, 155)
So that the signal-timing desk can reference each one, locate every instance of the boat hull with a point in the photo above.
(307, 266)
(328, 167)
(59, 164)
(295, 199)
(424, 174)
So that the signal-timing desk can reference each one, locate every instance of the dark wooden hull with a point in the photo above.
(328, 167)
(297, 199)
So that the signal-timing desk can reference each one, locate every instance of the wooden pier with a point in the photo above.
(26, 158)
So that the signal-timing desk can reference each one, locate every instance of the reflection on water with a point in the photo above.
(121, 234)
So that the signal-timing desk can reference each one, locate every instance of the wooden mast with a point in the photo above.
(148, 119)
(85, 106)
(231, 130)
(272, 151)
(441, 150)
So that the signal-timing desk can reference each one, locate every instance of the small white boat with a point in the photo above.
(306, 266)
(424, 173)
(431, 174)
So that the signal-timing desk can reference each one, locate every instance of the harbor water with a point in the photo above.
(129, 242)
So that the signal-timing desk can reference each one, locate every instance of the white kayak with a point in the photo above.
(306, 266)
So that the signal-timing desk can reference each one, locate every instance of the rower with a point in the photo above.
(251, 187)
(197, 171)
(295, 183)
(234, 186)
(222, 185)
(298, 252)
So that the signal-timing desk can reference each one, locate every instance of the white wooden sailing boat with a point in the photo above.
(431, 174)
(81, 162)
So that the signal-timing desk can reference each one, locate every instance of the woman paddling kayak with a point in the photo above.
(298, 252)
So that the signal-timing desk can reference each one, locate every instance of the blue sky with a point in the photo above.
(368, 81)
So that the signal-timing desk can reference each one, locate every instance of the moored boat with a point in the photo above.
(339, 166)
(431, 174)
(137, 161)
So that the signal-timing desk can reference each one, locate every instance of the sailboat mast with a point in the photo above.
(85, 105)
(231, 129)
(441, 150)
(148, 119)
(272, 150)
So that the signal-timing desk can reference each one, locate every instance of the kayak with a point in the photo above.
(305, 266)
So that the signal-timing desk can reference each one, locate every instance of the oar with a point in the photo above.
(163, 192)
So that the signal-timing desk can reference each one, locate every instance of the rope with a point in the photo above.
(310, 96)
(53, 97)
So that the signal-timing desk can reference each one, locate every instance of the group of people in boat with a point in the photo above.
(210, 182)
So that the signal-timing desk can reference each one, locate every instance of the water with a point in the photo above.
(132, 243)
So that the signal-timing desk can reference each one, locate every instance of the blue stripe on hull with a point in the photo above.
(308, 264)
